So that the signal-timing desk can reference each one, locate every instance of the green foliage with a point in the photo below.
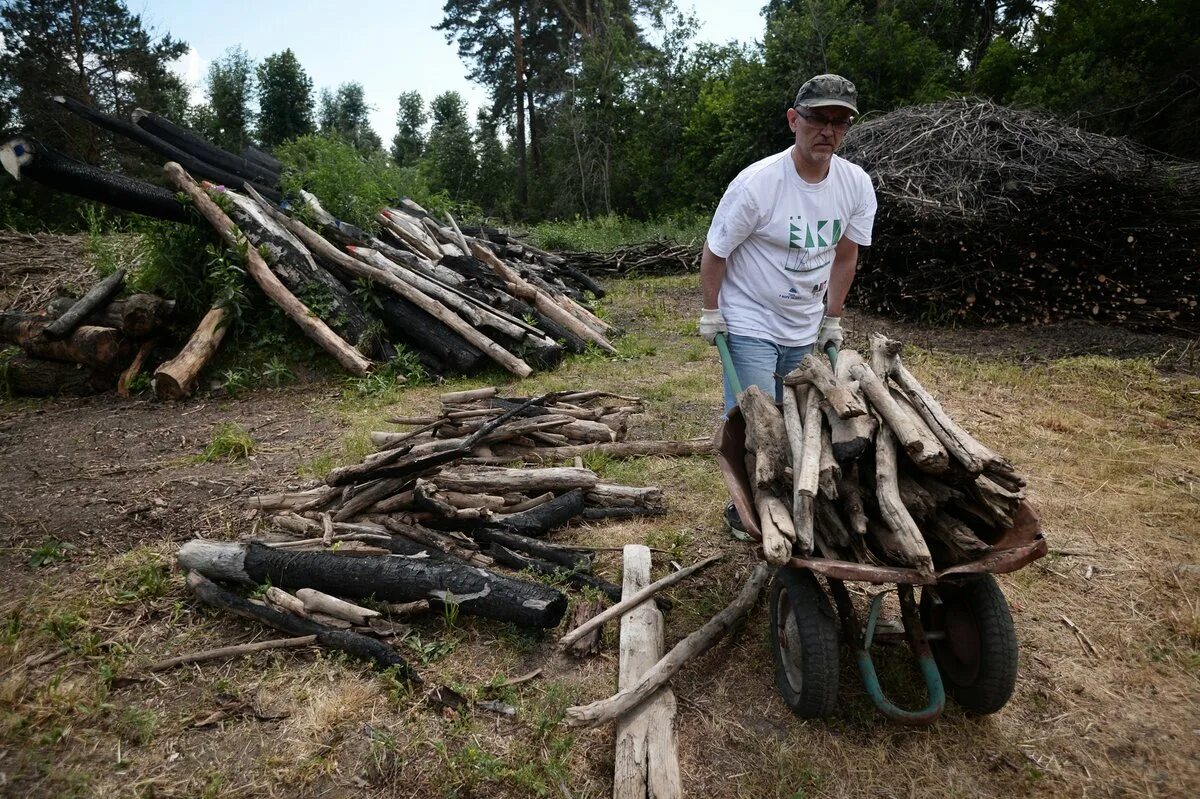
(404, 369)
(352, 185)
(230, 88)
(449, 155)
(49, 552)
(409, 141)
(344, 113)
(606, 233)
(285, 99)
(230, 442)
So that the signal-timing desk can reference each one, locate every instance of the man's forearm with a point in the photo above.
(841, 275)
(712, 275)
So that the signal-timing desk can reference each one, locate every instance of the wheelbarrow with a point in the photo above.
(960, 630)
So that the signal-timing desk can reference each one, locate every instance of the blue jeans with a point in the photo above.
(757, 362)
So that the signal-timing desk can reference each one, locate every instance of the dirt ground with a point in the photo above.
(98, 493)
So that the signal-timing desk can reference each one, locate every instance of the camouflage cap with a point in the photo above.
(827, 90)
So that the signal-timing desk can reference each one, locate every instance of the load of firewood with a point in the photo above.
(458, 302)
(864, 465)
(82, 346)
(648, 258)
(415, 522)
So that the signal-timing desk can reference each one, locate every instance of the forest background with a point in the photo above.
(599, 109)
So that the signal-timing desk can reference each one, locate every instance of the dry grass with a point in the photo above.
(1110, 447)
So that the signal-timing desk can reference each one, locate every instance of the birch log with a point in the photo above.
(647, 765)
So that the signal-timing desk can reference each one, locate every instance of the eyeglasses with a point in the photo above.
(819, 121)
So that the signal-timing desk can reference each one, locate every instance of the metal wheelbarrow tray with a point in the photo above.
(969, 649)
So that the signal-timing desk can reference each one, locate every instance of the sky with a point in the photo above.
(388, 47)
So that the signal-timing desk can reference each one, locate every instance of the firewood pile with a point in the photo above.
(82, 346)
(649, 258)
(990, 214)
(864, 465)
(460, 302)
(414, 526)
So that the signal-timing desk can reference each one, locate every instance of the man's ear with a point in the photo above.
(793, 119)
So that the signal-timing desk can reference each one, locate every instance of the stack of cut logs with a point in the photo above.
(879, 472)
(414, 523)
(459, 302)
(82, 346)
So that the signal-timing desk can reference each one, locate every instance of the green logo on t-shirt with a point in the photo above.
(825, 234)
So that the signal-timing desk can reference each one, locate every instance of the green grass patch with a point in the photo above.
(606, 233)
(230, 442)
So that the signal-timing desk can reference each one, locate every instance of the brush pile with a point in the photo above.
(650, 258)
(992, 215)
(864, 465)
(458, 302)
(414, 523)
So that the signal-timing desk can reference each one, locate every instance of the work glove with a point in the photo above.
(830, 332)
(712, 322)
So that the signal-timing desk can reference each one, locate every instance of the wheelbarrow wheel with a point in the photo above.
(804, 634)
(978, 654)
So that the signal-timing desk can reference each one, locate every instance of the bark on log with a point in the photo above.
(137, 315)
(961, 542)
(74, 316)
(776, 525)
(766, 436)
(476, 591)
(30, 377)
(583, 610)
(633, 601)
(97, 347)
(572, 559)
(808, 476)
(353, 644)
(802, 516)
(906, 542)
(816, 372)
(203, 149)
(918, 442)
(851, 437)
(515, 560)
(314, 328)
(646, 762)
(176, 378)
(698, 642)
(498, 480)
(543, 518)
(617, 449)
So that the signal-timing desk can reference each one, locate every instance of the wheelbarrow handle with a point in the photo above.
(722, 343)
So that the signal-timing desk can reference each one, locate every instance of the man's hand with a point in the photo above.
(830, 333)
(712, 322)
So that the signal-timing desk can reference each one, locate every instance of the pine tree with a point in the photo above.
(285, 99)
(493, 182)
(450, 155)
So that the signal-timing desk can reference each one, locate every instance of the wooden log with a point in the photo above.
(203, 149)
(459, 500)
(918, 442)
(816, 372)
(850, 494)
(589, 644)
(97, 347)
(515, 560)
(961, 444)
(176, 378)
(905, 543)
(695, 644)
(476, 591)
(766, 436)
(224, 652)
(617, 449)
(573, 559)
(137, 315)
(935, 458)
(958, 538)
(802, 511)
(850, 437)
(609, 495)
(830, 471)
(451, 548)
(776, 525)
(74, 316)
(135, 368)
(808, 471)
(499, 480)
(25, 376)
(468, 395)
(285, 601)
(646, 763)
(524, 503)
(320, 602)
(634, 600)
(544, 517)
(542, 301)
(313, 327)
(351, 643)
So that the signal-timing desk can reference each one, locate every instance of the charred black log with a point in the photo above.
(515, 560)
(203, 149)
(548, 516)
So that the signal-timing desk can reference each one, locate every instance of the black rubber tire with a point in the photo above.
(802, 619)
(978, 657)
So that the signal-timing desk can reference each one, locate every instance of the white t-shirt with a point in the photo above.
(778, 234)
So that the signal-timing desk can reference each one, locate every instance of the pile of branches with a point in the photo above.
(35, 268)
(565, 426)
(649, 258)
(415, 523)
(864, 465)
(990, 214)
(82, 346)
(458, 301)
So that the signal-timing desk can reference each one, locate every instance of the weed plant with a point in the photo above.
(230, 442)
(606, 233)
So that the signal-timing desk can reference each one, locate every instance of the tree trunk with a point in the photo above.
(97, 347)
(99, 296)
(519, 103)
(136, 316)
(176, 378)
(30, 377)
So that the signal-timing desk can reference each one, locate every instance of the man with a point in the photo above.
(783, 245)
